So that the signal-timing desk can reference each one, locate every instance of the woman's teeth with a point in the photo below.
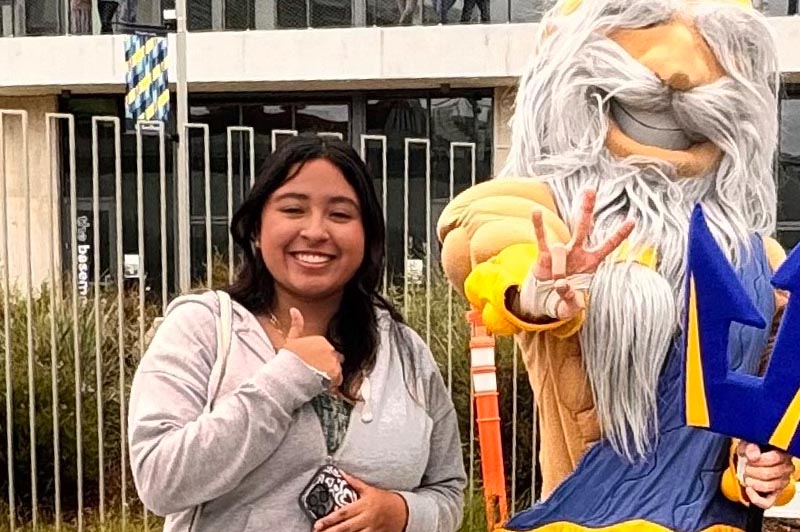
(312, 258)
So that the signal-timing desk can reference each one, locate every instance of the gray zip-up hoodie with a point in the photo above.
(246, 462)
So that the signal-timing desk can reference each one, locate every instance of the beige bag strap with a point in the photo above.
(224, 327)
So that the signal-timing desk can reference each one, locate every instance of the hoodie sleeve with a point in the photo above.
(437, 505)
(181, 456)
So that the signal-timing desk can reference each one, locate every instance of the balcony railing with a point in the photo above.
(80, 17)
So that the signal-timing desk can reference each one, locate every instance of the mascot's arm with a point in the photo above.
(488, 247)
(730, 484)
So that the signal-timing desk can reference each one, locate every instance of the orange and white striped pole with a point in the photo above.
(484, 384)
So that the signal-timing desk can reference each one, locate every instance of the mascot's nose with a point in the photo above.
(680, 82)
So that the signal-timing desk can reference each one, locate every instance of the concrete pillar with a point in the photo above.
(43, 233)
(503, 109)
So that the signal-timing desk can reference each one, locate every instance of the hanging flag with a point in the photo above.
(146, 82)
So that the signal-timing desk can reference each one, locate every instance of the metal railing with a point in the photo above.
(77, 473)
(74, 17)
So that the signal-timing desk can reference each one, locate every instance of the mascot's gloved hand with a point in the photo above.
(555, 286)
(765, 479)
(489, 245)
(493, 288)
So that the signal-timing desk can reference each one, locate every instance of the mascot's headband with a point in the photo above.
(572, 5)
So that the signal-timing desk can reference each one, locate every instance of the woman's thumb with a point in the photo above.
(296, 329)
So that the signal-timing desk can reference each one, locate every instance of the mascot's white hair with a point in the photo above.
(558, 135)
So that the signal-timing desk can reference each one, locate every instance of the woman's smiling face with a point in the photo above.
(312, 235)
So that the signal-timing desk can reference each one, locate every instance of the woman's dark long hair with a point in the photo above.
(353, 331)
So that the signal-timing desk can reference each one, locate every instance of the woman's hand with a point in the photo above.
(763, 474)
(555, 282)
(315, 350)
(376, 510)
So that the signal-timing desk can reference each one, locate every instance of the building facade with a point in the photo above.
(406, 70)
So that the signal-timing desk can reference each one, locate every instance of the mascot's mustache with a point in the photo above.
(653, 113)
(675, 120)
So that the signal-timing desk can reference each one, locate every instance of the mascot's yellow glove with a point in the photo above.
(489, 245)
(489, 283)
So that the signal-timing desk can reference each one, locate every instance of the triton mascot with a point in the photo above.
(630, 113)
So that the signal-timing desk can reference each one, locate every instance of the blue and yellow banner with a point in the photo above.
(146, 82)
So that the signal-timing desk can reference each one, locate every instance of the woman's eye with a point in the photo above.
(341, 216)
(292, 210)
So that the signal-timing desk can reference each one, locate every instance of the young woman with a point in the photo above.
(320, 371)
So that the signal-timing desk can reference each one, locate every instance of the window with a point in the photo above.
(45, 17)
(773, 8)
(331, 13)
(151, 262)
(464, 117)
(271, 14)
(198, 14)
(400, 119)
(444, 120)
(789, 171)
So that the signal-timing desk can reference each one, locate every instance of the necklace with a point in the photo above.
(275, 322)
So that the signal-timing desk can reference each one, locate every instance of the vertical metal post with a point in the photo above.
(56, 297)
(12, 519)
(120, 318)
(98, 321)
(140, 239)
(162, 202)
(182, 97)
(229, 210)
(514, 411)
(406, 233)
(384, 199)
(206, 188)
(29, 323)
(251, 168)
(451, 194)
(285, 132)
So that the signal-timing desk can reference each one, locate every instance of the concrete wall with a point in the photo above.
(13, 176)
(408, 57)
(488, 55)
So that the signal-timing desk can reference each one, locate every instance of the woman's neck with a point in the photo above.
(317, 313)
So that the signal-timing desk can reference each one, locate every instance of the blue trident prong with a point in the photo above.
(763, 410)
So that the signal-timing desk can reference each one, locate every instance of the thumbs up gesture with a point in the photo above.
(314, 350)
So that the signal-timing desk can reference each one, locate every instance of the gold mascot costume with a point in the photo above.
(629, 114)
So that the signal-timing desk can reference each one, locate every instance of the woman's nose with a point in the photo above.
(315, 228)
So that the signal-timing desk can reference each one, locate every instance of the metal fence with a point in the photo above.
(75, 323)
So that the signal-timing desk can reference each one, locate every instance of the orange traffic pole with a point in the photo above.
(484, 384)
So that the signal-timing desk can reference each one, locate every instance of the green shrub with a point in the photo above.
(109, 396)
(42, 309)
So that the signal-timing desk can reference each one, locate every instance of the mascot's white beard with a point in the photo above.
(558, 134)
